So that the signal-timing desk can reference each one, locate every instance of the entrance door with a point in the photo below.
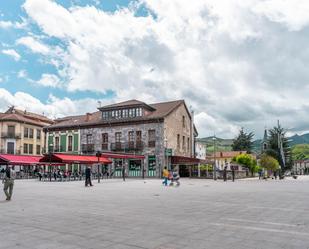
(151, 165)
(135, 168)
(184, 171)
(10, 148)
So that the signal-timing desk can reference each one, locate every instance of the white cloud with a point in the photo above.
(49, 80)
(12, 53)
(22, 74)
(6, 24)
(34, 45)
(54, 108)
(242, 61)
(16, 25)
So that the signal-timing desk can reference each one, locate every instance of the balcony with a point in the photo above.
(151, 143)
(52, 149)
(11, 135)
(127, 147)
(12, 152)
(87, 148)
(104, 146)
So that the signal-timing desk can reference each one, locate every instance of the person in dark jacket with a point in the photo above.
(233, 173)
(124, 173)
(224, 173)
(88, 177)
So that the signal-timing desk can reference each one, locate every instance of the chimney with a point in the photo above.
(88, 116)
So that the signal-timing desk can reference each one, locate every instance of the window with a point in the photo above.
(25, 148)
(11, 131)
(26, 132)
(104, 141)
(56, 148)
(183, 122)
(117, 114)
(138, 112)
(30, 148)
(89, 139)
(38, 134)
(70, 143)
(104, 115)
(30, 133)
(178, 141)
(130, 113)
(152, 138)
(138, 139)
(188, 144)
(125, 113)
(118, 137)
(183, 143)
(113, 114)
(131, 136)
(38, 149)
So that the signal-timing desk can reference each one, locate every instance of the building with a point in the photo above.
(22, 132)
(225, 158)
(300, 167)
(162, 132)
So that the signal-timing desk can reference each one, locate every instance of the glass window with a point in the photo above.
(178, 141)
(188, 144)
(117, 137)
(70, 143)
(183, 143)
(131, 136)
(104, 137)
(130, 113)
(30, 148)
(113, 114)
(25, 148)
(89, 139)
(26, 132)
(30, 133)
(151, 138)
(183, 121)
(125, 113)
(38, 149)
(11, 130)
(38, 134)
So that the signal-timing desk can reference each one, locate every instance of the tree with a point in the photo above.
(243, 142)
(278, 134)
(247, 161)
(300, 152)
(269, 163)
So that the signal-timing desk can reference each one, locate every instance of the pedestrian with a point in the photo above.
(124, 173)
(233, 173)
(224, 173)
(165, 176)
(88, 177)
(260, 174)
(176, 178)
(8, 181)
(275, 175)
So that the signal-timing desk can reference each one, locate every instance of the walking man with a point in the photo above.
(8, 181)
(165, 176)
(124, 173)
(233, 173)
(88, 177)
(224, 173)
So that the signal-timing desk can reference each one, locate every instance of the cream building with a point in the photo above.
(22, 132)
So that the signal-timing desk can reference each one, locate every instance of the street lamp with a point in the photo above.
(98, 155)
(50, 157)
(166, 155)
(215, 168)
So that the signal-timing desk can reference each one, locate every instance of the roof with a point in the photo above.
(160, 110)
(79, 159)
(13, 114)
(229, 154)
(19, 159)
(128, 103)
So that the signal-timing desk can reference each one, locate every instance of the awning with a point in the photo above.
(19, 159)
(78, 159)
(184, 160)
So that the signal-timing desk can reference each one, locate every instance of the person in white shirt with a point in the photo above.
(8, 181)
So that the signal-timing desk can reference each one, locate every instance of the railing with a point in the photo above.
(12, 152)
(128, 146)
(87, 148)
(151, 143)
(12, 135)
(104, 146)
(52, 149)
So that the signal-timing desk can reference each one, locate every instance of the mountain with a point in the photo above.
(226, 144)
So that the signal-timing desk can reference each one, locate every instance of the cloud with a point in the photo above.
(242, 61)
(34, 45)
(12, 53)
(49, 80)
(16, 25)
(54, 108)
(22, 74)
(6, 24)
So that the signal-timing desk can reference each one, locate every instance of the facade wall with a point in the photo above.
(63, 141)
(21, 139)
(153, 155)
(173, 127)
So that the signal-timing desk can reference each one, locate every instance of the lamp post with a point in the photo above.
(215, 168)
(50, 157)
(98, 155)
(165, 152)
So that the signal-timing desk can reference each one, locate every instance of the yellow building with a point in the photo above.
(22, 132)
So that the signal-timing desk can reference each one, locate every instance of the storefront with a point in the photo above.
(184, 165)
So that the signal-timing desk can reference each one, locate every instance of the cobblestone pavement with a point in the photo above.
(144, 214)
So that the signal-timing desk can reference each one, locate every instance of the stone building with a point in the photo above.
(22, 132)
(162, 132)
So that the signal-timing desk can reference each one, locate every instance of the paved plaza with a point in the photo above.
(143, 214)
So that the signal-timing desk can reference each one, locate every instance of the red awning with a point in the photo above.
(19, 159)
(184, 160)
(122, 156)
(78, 159)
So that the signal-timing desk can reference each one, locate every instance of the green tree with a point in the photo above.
(300, 152)
(269, 163)
(247, 161)
(278, 134)
(243, 142)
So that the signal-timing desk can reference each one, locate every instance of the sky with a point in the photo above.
(236, 63)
